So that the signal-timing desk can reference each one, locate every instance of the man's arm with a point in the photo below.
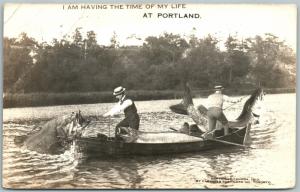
(118, 108)
(112, 111)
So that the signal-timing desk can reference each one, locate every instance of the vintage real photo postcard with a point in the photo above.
(149, 96)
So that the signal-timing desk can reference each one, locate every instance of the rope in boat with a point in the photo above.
(238, 134)
(235, 103)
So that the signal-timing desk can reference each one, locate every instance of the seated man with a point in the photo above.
(190, 129)
(127, 105)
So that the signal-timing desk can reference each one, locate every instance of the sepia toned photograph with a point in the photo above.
(149, 96)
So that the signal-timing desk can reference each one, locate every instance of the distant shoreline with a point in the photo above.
(49, 99)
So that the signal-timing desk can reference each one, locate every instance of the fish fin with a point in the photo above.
(179, 108)
(187, 96)
(202, 109)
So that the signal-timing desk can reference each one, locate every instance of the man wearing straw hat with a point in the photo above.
(127, 105)
(215, 112)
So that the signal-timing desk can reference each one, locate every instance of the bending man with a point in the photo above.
(215, 111)
(127, 105)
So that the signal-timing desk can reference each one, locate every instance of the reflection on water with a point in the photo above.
(270, 162)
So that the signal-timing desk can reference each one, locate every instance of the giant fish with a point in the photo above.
(199, 114)
(55, 135)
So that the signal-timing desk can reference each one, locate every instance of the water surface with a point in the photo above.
(269, 163)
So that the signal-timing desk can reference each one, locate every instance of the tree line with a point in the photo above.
(81, 64)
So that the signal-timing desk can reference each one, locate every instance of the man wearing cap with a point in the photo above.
(215, 112)
(125, 104)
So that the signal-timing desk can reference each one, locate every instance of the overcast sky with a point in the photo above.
(47, 21)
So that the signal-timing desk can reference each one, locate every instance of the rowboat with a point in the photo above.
(102, 146)
(149, 143)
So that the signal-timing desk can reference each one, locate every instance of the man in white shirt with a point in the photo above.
(215, 111)
(125, 104)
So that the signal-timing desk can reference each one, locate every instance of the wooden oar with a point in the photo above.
(229, 143)
(173, 129)
(217, 140)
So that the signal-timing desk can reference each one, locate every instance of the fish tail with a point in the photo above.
(187, 100)
(187, 96)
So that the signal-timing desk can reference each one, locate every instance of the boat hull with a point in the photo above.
(99, 147)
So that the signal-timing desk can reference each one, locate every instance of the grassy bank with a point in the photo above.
(47, 99)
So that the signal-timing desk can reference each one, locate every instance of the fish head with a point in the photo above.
(252, 107)
(74, 124)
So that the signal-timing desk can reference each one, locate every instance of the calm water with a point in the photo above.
(269, 163)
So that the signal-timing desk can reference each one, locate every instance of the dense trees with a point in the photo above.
(273, 63)
(81, 64)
